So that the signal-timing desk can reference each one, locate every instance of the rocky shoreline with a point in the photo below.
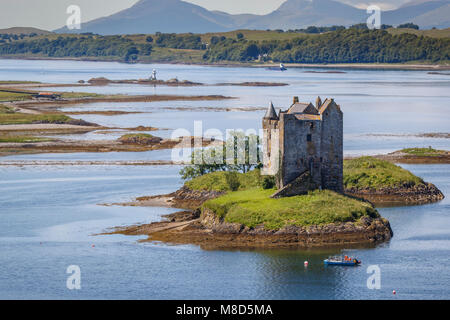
(184, 198)
(406, 195)
(361, 66)
(400, 157)
(177, 83)
(202, 227)
(210, 232)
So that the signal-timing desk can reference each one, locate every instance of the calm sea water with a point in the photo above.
(49, 215)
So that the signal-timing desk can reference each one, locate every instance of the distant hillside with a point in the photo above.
(176, 16)
(297, 14)
(352, 45)
(426, 14)
(24, 30)
(150, 16)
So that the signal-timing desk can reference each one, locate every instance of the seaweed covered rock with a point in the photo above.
(140, 139)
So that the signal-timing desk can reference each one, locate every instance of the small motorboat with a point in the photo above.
(342, 261)
(280, 68)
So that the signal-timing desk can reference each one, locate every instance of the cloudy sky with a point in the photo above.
(51, 14)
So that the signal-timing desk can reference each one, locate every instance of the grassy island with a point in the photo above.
(424, 152)
(140, 138)
(383, 182)
(368, 172)
(234, 210)
(243, 198)
(254, 207)
(250, 204)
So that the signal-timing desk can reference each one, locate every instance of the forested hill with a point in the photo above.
(340, 45)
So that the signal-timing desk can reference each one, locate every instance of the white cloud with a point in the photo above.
(383, 4)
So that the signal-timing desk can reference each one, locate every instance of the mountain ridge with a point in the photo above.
(177, 16)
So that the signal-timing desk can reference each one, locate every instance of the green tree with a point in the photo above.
(408, 25)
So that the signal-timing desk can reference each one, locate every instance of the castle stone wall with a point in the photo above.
(332, 148)
(308, 143)
(297, 153)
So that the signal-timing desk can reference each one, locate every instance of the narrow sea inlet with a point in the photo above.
(49, 215)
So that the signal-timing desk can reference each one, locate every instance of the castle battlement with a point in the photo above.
(309, 142)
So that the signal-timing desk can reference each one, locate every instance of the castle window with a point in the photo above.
(308, 138)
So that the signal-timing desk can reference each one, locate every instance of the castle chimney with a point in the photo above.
(296, 100)
(318, 103)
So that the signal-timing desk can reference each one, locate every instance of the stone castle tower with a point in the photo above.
(303, 147)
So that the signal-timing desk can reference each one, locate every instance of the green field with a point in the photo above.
(254, 207)
(22, 139)
(9, 116)
(18, 82)
(13, 96)
(24, 118)
(174, 55)
(80, 95)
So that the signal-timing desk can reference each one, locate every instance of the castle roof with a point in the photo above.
(327, 103)
(303, 108)
(305, 116)
(271, 113)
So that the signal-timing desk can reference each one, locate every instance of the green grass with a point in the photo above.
(9, 116)
(258, 35)
(217, 181)
(371, 173)
(254, 207)
(136, 135)
(79, 95)
(172, 55)
(365, 172)
(16, 96)
(5, 109)
(23, 118)
(13, 96)
(424, 152)
(18, 82)
(22, 139)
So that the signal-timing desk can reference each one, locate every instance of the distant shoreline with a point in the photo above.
(361, 66)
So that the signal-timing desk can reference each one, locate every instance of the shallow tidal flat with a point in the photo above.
(27, 123)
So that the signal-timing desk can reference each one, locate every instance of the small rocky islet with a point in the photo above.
(218, 217)
(319, 199)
